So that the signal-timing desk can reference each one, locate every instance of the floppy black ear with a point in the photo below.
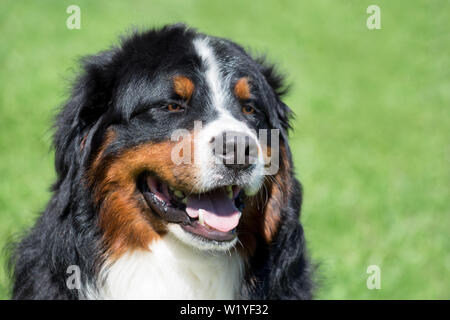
(277, 83)
(78, 122)
(65, 234)
(89, 99)
(280, 269)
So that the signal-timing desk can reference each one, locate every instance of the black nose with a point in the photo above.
(236, 150)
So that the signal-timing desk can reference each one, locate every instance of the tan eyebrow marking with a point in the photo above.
(183, 86)
(242, 89)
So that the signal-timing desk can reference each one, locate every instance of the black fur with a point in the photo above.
(115, 88)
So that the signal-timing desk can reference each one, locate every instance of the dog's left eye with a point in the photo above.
(173, 107)
(248, 110)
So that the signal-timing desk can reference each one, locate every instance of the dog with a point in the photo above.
(132, 220)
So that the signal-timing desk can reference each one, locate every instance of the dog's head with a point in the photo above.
(165, 134)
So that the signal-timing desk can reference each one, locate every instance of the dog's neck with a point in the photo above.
(170, 270)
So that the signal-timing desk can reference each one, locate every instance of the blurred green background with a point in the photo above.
(372, 127)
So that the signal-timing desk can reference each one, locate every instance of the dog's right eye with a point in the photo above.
(173, 107)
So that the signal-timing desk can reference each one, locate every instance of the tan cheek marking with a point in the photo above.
(184, 87)
(280, 189)
(262, 216)
(242, 89)
(124, 217)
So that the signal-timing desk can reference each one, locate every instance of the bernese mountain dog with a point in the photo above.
(150, 201)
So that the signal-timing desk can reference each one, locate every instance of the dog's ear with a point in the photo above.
(282, 113)
(78, 125)
(279, 267)
(84, 112)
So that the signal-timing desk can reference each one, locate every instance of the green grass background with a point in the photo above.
(371, 139)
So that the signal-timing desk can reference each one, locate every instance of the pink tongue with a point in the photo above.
(220, 211)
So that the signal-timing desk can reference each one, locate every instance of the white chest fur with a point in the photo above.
(172, 270)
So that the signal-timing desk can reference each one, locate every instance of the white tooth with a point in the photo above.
(201, 219)
(178, 193)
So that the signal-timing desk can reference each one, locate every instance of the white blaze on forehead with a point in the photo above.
(220, 96)
(213, 75)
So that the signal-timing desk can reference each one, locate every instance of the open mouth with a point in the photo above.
(213, 215)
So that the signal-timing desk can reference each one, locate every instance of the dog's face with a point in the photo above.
(170, 129)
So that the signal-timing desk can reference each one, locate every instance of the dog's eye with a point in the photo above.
(173, 107)
(248, 109)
